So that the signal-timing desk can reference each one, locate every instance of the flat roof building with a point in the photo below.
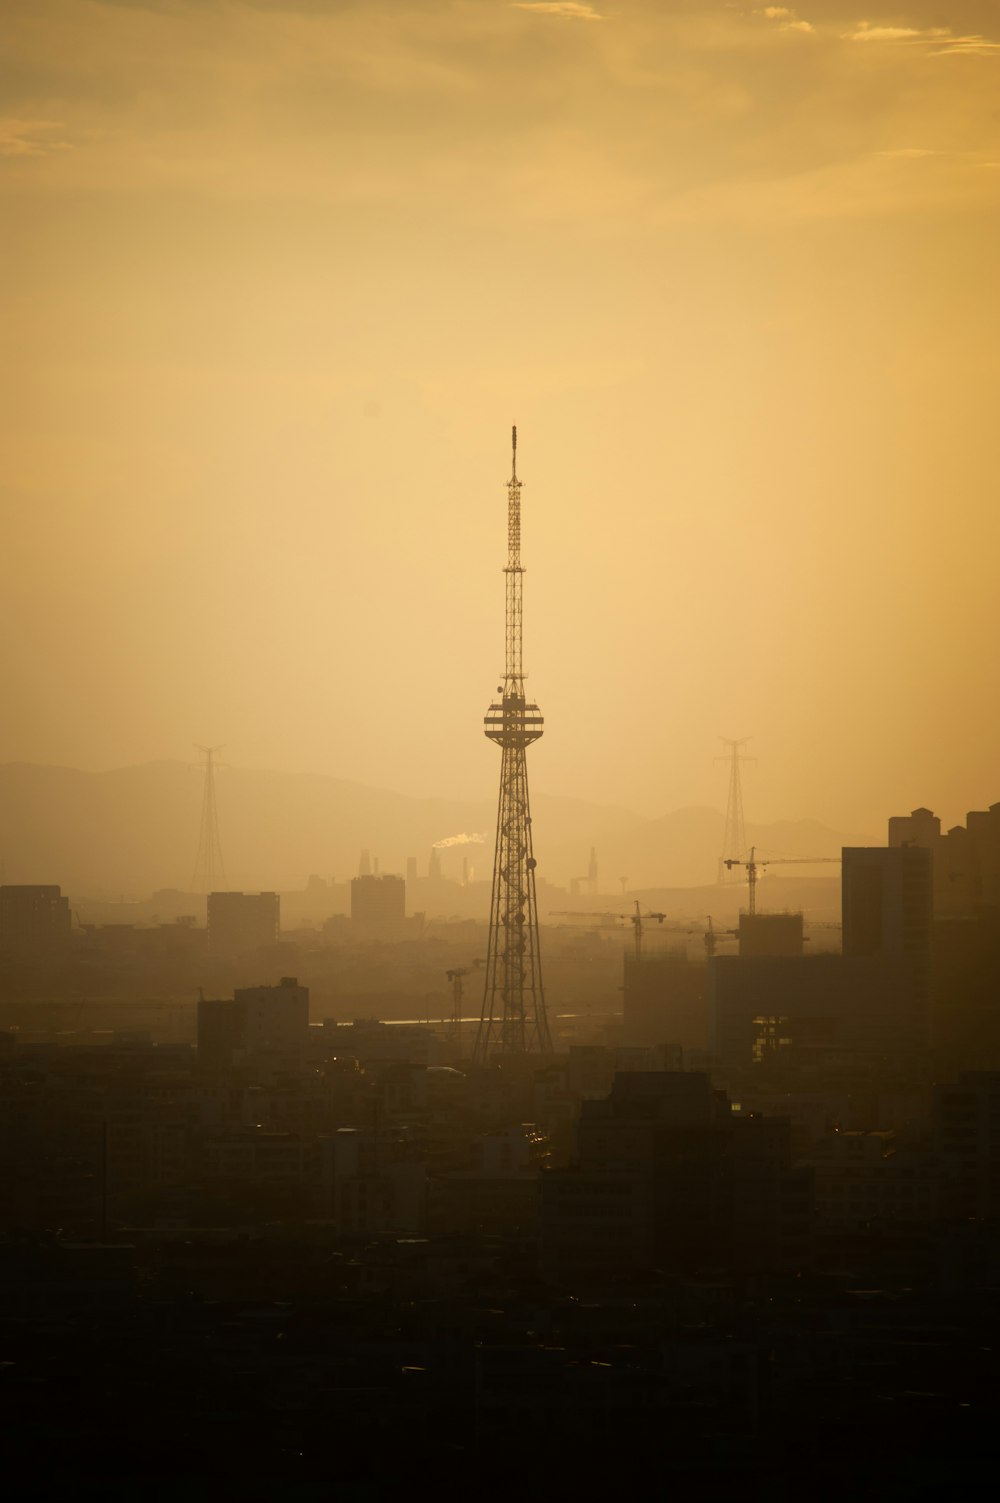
(378, 902)
(257, 1026)
(242, 921)
(33, 919)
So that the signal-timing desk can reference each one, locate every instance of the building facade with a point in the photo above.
(239, 922)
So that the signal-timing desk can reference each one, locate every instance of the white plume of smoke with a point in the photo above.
(463, 839)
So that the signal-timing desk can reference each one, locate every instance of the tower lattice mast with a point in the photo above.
(734, 839)
(209, 867)
(513, 1019)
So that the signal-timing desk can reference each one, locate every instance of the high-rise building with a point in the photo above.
(258, 1026)
(873, 999)
(220, 1032)
(33, 919)
(919, 828)
(887, 900)
(239, 922)
(666, 1177)
(966, 1121)
(664, 1000)
(378, 902)
(888, 915)
(966, 858)
(770, 934)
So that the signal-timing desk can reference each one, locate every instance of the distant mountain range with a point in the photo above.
(134, 830)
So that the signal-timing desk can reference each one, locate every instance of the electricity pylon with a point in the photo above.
(734, 840)
(209, 867)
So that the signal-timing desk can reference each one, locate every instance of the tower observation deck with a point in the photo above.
(513, 1020)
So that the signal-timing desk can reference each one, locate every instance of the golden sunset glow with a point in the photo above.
(279, 277)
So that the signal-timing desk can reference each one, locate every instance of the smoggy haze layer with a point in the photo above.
(278, 278)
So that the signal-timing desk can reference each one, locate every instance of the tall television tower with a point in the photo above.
(513, 1020)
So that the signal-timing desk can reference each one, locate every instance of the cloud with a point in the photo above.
(463, 839)
(972, 46)
(786, 18)
(941, 38)
(569, 10)
(29, 138)
(866, 32)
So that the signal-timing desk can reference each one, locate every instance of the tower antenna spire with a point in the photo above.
(514, 1020)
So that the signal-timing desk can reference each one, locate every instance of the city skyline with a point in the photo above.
(317, 1183)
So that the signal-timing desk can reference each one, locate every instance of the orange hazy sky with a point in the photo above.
(277, 278)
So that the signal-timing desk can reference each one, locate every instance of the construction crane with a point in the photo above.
(754, 866)
(710, 937)
(456, 976)
(611, 919)
(636, 919)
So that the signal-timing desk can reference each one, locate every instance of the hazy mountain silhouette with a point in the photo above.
(133, 830)
(683, 848)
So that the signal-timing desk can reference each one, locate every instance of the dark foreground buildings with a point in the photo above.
(666, 1178)
(241, 1273)
(743, 1242)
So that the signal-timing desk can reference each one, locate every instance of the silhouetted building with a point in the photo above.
(220, 1032)
(589, 882)
(967, 1145)
(371, 1182)
(873, 999)
(921, 828)
(260, 1026)
(33, 919)
(368, 1039)
(665, 1000)
(965, 985)
(276, 1018)
(866, 1179)
(378, 902)
(666, 1177)
(770, 934)
(499, 1194)
(966, 858)
(887, 901)
(888, 913)
(242, 921)
(763, 1006)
